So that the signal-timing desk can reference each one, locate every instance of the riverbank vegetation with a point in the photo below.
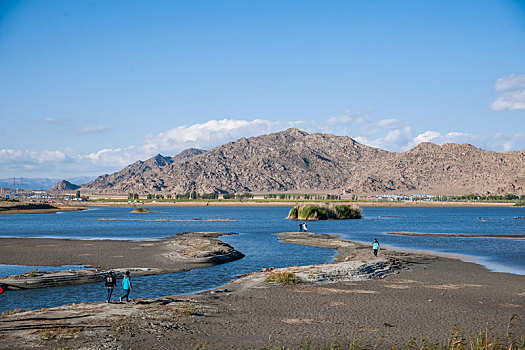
(509, 197)
(324, 212)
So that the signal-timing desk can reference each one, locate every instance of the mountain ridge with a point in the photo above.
(293, 160)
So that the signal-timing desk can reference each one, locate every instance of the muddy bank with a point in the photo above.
(174, 254)
(34, 208)
(419, 298)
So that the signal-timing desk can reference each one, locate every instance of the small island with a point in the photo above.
(141, 211)
(324, 212)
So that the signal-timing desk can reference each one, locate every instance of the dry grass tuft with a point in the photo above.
(282, 277)
(12, 312)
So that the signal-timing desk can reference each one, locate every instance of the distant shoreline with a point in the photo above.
(248, 203)
(32, 208)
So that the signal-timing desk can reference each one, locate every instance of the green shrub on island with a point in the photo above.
(141, 210)
(324, 212)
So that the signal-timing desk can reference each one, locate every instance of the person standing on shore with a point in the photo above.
(375, 246)
(126, 285)
(111, 282)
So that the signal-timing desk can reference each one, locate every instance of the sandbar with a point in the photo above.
(173, 254)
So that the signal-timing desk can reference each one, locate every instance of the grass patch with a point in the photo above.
(36, 272)
(186, 310)
(12, 312)
(183, 310)
(487, 338)
(282, 278)
(324, 212)
(59, 333)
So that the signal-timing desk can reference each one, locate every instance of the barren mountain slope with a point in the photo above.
(63, 185)
(456, 169)
(293, 160)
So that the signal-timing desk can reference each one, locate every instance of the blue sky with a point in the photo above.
(88, 87)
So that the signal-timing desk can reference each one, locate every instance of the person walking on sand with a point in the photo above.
(111, 282)
(126, 285)
(375, 246)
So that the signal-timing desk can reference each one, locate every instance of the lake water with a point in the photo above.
(256, 228)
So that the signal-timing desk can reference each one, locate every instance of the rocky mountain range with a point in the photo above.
(39, 183)
(293, 160)
(63, 185)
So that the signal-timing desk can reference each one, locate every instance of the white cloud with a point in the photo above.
(498, 142)
(200, 135)
(51, 120)
(112, 156)
(427, 136)
(512, 93)
(388, 134)
(9, 155)
(208, 135)
(394, 135)
(511, 82)
(511, 100)
(83, 130)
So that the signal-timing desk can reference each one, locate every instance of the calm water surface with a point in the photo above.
(256, 228)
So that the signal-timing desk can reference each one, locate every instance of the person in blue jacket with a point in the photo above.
(126, 285)
(375, 246)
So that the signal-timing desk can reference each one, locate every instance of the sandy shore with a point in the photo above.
(374, 302)
(175, 254)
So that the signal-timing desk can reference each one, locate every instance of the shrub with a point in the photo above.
(293, 213)
(324, 212)
(282, 277)
(347, 212)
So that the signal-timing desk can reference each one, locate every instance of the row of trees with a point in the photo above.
(237, 196)
(187, 195)
(283, 196)
(305, 196)
(476, 197)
